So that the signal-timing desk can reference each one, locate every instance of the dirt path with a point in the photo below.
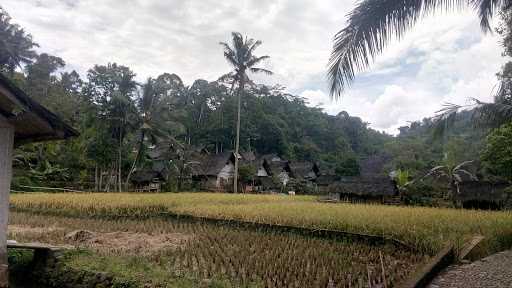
(494, 271)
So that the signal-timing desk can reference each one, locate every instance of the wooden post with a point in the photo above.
(6, 147)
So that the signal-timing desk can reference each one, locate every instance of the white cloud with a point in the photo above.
(443, 59)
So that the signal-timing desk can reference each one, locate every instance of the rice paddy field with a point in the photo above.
(132, 236)
(427, 229)
(170, 253)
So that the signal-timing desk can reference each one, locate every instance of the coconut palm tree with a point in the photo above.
(373, 23)
(240, 56)
(155, 120)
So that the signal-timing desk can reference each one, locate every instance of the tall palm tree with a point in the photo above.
(240, 56)
(155, 121)
(373, 23)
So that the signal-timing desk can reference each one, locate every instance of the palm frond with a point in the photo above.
(373, 23)
(256, 60)
(461, 172)
(253, 47)
(230, 54)
(445, 119)
(486, 10)
(437, 172)
(493, 114)
(463, 164)
(261, 70)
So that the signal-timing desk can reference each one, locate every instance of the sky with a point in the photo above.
(444, 59)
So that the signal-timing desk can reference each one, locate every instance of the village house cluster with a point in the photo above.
(270, 173)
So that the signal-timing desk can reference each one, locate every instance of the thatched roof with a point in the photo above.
(304, 170)
(165, 149)
(158, 171)
(248, 156)
(326, 179)
(276, 167)
(482, 191)
(211, 165)
(32, 122)
(357, 186)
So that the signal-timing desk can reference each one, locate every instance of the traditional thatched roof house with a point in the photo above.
(150, 179)
(377, 188)
(278, 170)
(22, 120)
(216, 171)
(482, 194)
(372, 183)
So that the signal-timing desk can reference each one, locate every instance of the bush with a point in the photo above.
(497, 154)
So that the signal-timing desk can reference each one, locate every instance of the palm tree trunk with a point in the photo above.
(100, 182)
(96, 180)
(119, 182)
(139, 152)
(237, 143)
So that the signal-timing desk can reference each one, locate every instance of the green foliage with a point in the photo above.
(497, 155)
(402, 178)
(246, 173)
(16, 46)
(347, 167)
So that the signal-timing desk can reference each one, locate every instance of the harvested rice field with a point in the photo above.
(171, 253)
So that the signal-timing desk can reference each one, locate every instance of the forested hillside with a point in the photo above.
(425, 144)
(119, 117)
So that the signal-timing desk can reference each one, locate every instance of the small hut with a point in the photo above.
(22, 120)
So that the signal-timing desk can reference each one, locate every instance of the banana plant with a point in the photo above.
(452, 174)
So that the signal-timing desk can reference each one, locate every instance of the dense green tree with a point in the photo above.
(16, 46)
(41, 76)
(497, 155)
(111, 91)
